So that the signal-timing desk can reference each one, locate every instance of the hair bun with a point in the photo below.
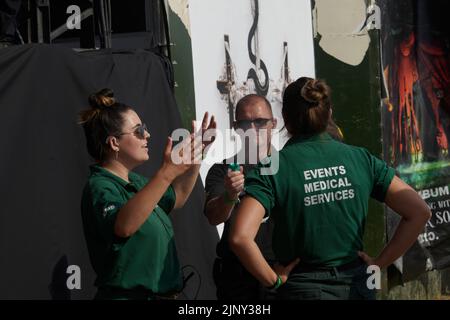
(315, 91)
(102, 99)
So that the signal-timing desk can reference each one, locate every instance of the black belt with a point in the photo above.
(304, 267)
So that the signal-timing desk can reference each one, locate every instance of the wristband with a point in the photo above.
(277, 284)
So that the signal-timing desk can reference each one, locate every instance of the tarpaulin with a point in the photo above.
(44, 165)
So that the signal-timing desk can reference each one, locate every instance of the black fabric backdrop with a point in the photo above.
(44, 165)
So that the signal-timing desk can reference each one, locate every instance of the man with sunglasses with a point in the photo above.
(224, 187)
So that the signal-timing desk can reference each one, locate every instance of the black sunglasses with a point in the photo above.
(247, 124)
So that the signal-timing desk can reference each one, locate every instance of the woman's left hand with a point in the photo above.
(208, 131)
(284, 271)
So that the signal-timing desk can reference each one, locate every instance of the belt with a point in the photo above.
(304, 267)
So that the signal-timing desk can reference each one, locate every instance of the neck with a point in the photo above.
(250, 158)
(264, 151)
(117, 168)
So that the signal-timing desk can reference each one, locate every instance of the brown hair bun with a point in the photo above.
(314, 91)
(102, 99)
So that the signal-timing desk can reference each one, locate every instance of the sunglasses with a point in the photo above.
(138, 132)
(247, 124)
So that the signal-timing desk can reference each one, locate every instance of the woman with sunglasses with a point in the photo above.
(125, 216)
(319, 202)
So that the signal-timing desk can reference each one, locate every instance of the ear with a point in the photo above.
(274, 123)
(288, 128)
(113, 143)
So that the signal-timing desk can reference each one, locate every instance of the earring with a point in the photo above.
(117, 154)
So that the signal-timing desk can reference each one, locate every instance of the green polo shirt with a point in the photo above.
(148, 259)
(319, 198)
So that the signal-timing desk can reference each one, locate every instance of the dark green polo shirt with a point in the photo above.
(148, 259)
(319, 198)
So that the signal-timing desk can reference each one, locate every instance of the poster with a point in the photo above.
(415, 41)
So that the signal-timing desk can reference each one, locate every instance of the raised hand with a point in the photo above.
(207, 131)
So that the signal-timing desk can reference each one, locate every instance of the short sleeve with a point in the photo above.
(382, 176)
(260, 187)
(214, 186)
(167, 202)
(106, 203)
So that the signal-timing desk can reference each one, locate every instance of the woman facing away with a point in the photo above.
(125, 216)
(319, 202)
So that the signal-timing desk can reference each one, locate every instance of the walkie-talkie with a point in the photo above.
(234, 166)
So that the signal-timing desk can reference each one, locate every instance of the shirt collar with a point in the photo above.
(100, 171)
(324, 136)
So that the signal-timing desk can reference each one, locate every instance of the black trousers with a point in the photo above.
(8, 14)
(234, 282)
(331, 284)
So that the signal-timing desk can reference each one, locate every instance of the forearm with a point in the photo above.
(184, 184)
(245, 226)
(415, 213)
(404, 237)
(218, 210)
(136, 211)
(253, 260)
